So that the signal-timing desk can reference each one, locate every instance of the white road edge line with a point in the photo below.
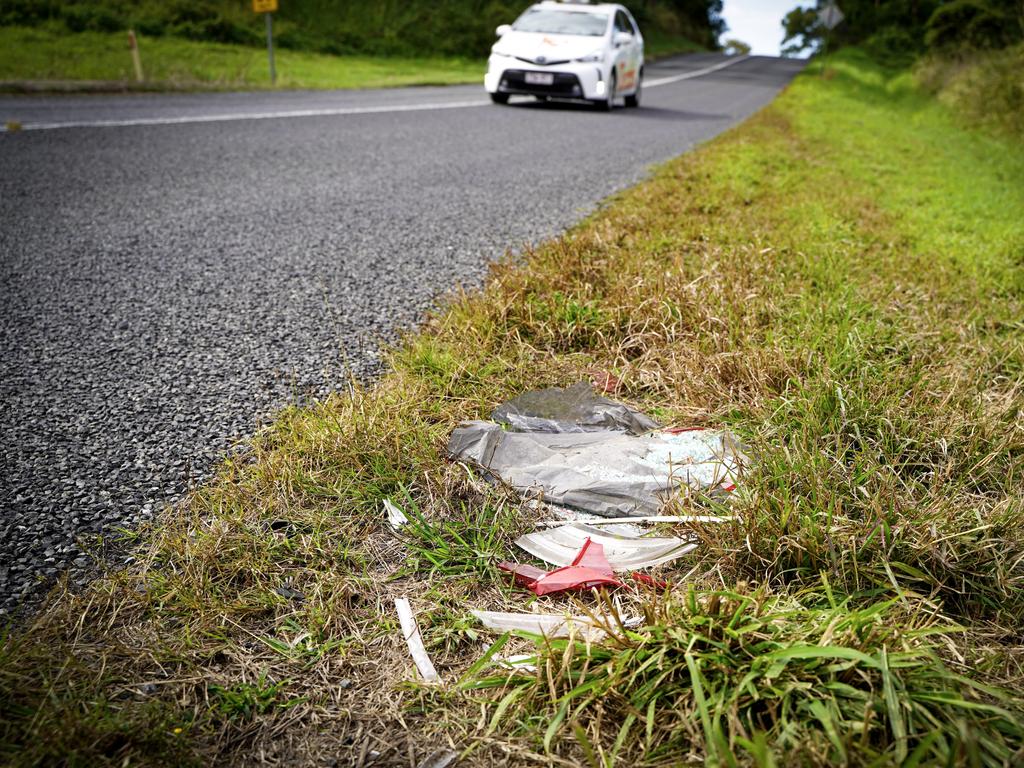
(695, 73)
(340, 111)
(252, 116)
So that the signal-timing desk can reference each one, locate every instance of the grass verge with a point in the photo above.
(43, 54)
(839, 280)
(40, 55)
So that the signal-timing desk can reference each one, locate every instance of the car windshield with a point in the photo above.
(553, 22)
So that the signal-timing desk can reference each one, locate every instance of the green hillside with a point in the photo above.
(463, 28)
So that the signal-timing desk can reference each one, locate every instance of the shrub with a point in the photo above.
(969, 23)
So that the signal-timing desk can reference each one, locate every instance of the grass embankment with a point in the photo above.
(985, 88)
(42, 54)
(840, 280)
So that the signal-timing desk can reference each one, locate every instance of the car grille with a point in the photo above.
(565, 84)
(544, 63)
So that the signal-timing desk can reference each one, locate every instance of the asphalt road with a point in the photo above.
(176, 267)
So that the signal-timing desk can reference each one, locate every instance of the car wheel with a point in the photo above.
(634, 99)
(499, 98)
(607, 105)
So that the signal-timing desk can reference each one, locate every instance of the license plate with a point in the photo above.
(539, 78)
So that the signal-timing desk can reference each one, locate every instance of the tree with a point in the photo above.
(803, 28)
(735, 47)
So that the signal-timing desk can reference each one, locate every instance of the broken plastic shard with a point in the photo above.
(575, 409)
(415, 641)
(648, 519)
(606, 473)
(548, 625)
(588, 570)
(559, 546)
(441, 758)
(396, 516)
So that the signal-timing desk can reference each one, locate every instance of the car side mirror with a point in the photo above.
(503, 30)
(622, 38)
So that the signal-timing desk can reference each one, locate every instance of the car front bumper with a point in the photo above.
(572, 80)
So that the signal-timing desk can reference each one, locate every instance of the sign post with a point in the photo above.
(267, 8)
(830, 17)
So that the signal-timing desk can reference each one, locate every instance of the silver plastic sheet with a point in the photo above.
(609, 472)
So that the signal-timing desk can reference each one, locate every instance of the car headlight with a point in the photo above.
(591, 58)
(501, 54)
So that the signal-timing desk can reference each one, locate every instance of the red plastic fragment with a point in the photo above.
(589, 569)
(572, 577)
(591, 555)
(524, 575)
(649, 580)
(605, 381)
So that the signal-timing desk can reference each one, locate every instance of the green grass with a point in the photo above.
(48, 53)
(44, 54)
(840, 280)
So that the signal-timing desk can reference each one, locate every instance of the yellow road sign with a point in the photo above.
(264, 6)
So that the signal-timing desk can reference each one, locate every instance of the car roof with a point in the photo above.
(579, 6)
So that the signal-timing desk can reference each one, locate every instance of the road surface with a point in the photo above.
(178, 266)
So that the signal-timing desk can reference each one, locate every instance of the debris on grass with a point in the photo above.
(574, 409)
(415, 641)
(592, 454)
(441, 758)
(676, 519)
(396, 517)
(551, 625)
(559, 546)
(589, 569)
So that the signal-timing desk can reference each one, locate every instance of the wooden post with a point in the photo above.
(133, 44)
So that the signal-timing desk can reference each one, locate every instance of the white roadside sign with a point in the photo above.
(831, 16)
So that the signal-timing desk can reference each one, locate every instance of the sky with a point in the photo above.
(758, 22)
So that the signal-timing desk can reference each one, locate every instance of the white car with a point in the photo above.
(562, 50)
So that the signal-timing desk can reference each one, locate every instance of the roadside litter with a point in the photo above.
(589, 569)
(415, 642)
(559, 546)
(606, 471)
(575, 409)
(553, 625)
(396, 517)
(575, 449)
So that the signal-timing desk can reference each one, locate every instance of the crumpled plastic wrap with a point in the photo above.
(608, 471)
(575, 409)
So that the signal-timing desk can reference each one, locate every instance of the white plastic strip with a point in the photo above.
(415, 641)
(593, 520)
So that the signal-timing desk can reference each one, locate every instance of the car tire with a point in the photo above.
(499, 98)
(633, 100)
(607, 105)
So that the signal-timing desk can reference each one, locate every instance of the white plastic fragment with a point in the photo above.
(595, 520)
(559, 546)
(415, 641)
(441, 758)
(546, 624)
(396, 516)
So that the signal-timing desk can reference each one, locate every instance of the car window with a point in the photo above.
(622, 23)
(557, 22)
